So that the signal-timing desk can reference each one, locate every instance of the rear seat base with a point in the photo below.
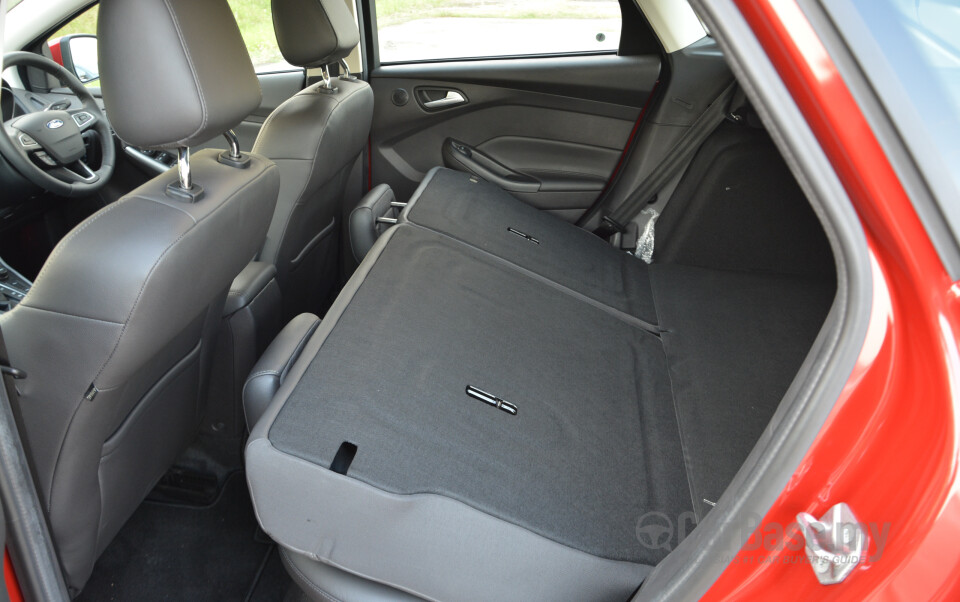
(448, 497)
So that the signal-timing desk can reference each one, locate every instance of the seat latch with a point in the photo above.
(835, 544)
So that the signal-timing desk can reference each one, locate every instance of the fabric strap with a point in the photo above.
(615, 218)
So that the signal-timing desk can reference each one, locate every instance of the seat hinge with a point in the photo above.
(835, 544)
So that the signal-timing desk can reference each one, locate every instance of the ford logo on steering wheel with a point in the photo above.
(54, 124)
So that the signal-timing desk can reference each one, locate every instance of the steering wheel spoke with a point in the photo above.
(84, 118)
(49, 146)
(78, 172)
(22, 141)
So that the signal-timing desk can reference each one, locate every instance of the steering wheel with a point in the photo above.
(47, 146)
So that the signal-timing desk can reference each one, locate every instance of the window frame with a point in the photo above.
(636, 37)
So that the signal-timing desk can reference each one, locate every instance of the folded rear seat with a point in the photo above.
(374, 458)
(484, 216)
(460, 499)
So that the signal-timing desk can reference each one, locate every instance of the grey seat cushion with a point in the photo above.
(446, 492)
(433, 317)
(617, 416)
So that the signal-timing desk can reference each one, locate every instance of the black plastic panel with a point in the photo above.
(557, 119)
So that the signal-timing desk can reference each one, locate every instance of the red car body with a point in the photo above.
(890, 447)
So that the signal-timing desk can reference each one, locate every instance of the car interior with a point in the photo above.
(443, 330)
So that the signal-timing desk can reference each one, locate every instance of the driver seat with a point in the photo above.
(116, 337)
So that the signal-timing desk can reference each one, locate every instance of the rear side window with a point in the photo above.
(255, 20)
(417, 30)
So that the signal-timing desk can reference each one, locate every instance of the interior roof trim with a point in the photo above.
(674, 22)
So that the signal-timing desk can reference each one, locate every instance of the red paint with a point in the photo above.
(54, 46)
(633, 134)
(10, 578)
(890, 446)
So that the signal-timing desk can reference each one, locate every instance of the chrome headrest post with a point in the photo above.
(183, 167)
(327, 86)
(234, 144)
(184, 189)
(345, 74)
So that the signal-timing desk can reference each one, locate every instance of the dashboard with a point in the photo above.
(9, 107)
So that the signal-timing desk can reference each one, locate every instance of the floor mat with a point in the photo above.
(174, 552)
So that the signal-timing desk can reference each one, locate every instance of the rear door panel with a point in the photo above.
(561, 121)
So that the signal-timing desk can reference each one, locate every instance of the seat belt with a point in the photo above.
(616, 218)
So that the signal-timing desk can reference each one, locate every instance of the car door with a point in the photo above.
(541, 99)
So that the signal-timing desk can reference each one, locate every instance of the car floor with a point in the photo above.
(181, 552)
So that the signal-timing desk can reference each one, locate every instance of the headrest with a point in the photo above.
(174, 72)
(314, 33)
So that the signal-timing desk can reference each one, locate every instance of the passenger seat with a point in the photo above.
(315, 138)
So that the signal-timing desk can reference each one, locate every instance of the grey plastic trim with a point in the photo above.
(148, 162)
(692, 568)
(27, 537)
(602, 77)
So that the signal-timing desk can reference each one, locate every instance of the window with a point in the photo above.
(415, 30)
(253, 17)
(75, 47)
(86, 22)
(256, 26)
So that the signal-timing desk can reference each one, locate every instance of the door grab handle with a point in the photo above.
(452, 98)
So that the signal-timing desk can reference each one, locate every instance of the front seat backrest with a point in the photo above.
(315, 138)
(116, 336)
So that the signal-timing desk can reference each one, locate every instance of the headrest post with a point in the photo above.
(327, 85)
(345, 74)
(183, 167)
(234, 144)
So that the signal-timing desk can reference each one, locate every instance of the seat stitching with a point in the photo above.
(338, 103)
(307, 581)
(676, 413)
(143, 285)
(193, 72)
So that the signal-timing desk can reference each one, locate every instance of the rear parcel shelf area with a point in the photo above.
(638, 389)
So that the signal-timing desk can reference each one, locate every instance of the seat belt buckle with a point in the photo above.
(629, 237)
(608, 227)
(609, 222)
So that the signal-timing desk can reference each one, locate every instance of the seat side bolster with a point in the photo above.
(363, 219)
(271, 369)
(246, 286)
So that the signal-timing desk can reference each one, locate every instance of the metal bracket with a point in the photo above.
(14, 373)
(836, 543)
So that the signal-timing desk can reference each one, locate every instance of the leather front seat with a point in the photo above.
(116, 336)
(315, 138)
